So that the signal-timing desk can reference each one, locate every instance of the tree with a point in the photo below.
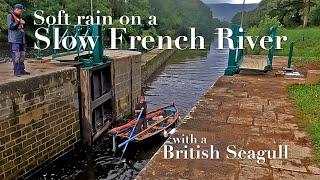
(291, 13)
(306, 12)
(315, 14)
(118, 7)
(4, 7)
(175, 17)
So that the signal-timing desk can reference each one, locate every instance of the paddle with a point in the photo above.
(155, 124)
(134, 128)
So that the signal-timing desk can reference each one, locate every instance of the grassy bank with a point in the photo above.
(307, 102)
(307, 46)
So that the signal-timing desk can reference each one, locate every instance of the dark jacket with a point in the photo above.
(15, 35)
(139, 106)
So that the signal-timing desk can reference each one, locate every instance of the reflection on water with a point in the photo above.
(183, 80)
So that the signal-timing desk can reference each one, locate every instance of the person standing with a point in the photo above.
(141, 106)
(16, 36)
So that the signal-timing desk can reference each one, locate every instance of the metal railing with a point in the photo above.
(67, 31)
(236, 55)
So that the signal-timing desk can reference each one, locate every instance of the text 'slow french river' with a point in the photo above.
(182, 81)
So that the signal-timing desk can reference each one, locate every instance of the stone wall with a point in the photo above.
(126, 81)
(39, 114)
(39, 119)
(151, 61)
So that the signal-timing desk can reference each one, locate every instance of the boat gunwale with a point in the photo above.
(149, 135)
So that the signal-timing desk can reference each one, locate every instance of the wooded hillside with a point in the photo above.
(175, 17)
(290, 13)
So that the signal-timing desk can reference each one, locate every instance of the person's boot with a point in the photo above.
(16, 69)
(15, 66)
(19, 70)
(17, 74)
(25, 73)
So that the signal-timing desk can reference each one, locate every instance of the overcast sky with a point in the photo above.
(230, 1)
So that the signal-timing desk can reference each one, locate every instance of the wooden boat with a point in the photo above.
(159, 121)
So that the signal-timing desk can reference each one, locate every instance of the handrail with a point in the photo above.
(77, 32)
(70, 30)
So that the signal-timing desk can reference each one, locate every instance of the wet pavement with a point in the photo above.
(36, 70)
(250, 112)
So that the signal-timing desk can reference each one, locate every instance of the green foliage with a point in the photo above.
(266, 23)
(290, 13)
(150, 32)
(217, 23)
(253, 18)
(4, 8)
(72, 7)
(315, 15)
(175, 17)
(117, 7)
(249, 19)
(307, 102)
(306, 44)
(263, 29)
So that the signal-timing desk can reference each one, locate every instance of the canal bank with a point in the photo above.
(252, 112)
(170, 82)
(44, 115)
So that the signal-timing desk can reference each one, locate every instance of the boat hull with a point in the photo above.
(159, 121)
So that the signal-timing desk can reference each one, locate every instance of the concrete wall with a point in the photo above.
(151, 61)
(39, 119)
(126, 81)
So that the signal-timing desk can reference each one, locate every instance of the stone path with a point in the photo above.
(46, 65)
(252, 112)
(36, 69)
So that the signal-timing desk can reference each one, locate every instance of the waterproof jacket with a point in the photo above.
(16, 32)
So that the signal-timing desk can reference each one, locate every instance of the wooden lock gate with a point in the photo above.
(96, 98)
